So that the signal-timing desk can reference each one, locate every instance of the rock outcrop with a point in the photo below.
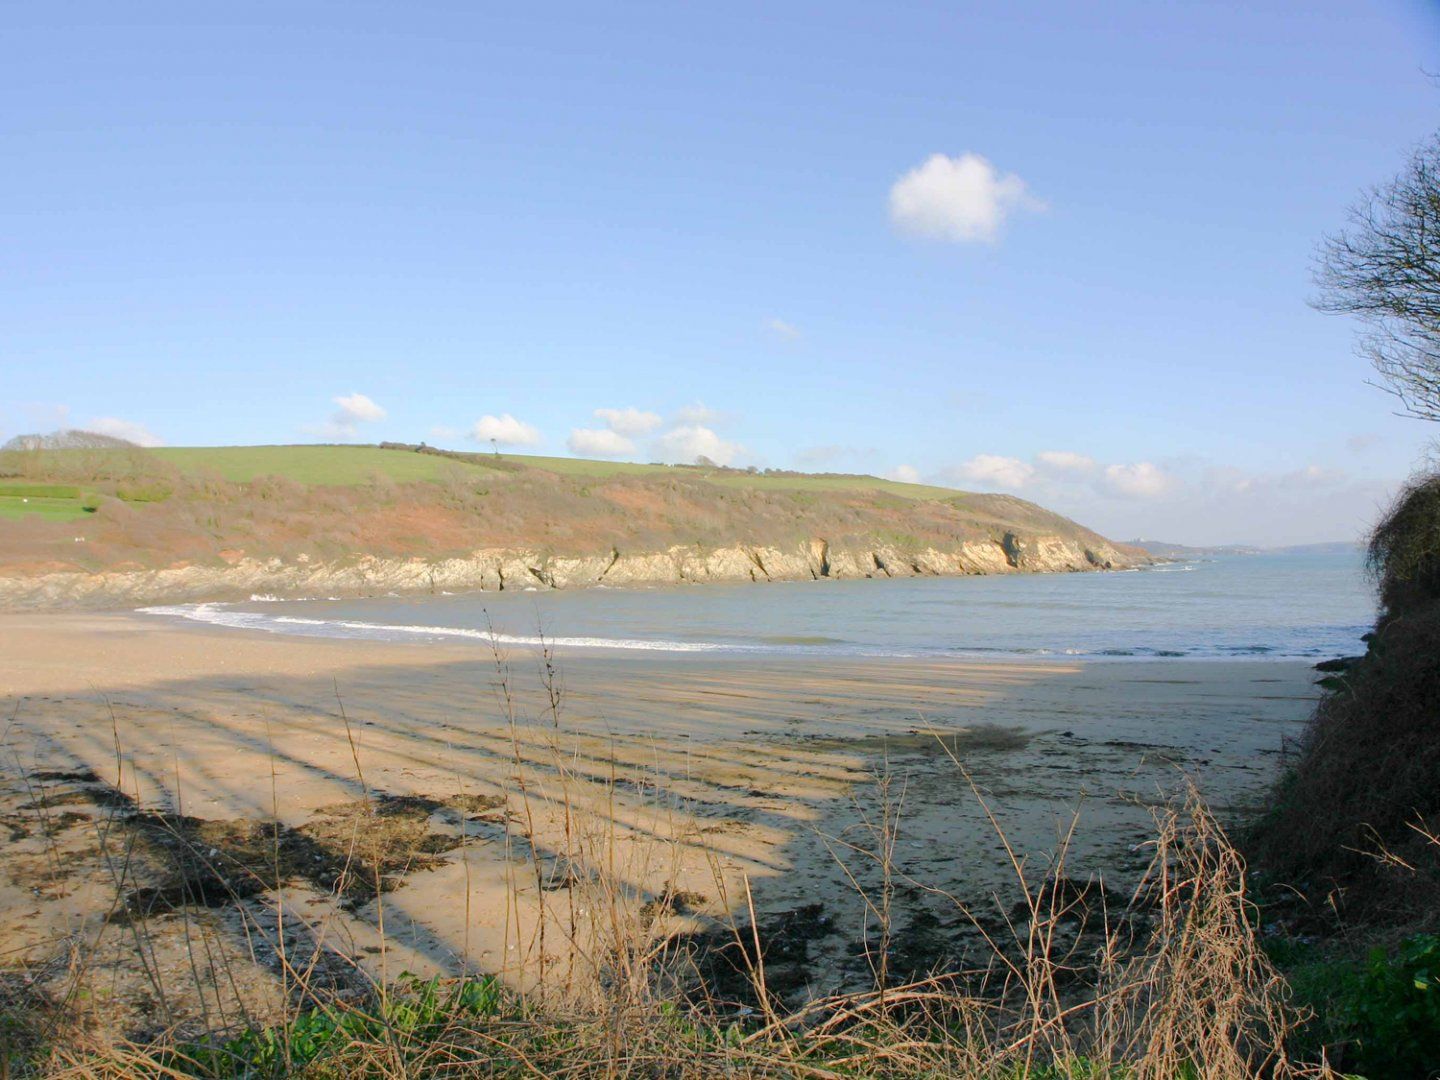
(494, 569)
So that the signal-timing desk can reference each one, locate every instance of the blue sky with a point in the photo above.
(1061, 250)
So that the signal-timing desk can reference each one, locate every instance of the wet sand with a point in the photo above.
(668, 779)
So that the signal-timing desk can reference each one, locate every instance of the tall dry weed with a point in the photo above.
(1167, 981)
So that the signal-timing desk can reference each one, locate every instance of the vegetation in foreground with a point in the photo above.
(1350, 845)
(1172, 982)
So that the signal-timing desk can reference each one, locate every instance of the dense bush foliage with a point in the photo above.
(1363, 795)
(1379, 1018)
(1404, 550)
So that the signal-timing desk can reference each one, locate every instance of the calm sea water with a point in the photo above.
(1276, 606)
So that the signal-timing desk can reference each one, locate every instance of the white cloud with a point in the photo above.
(351, 411)
(1141, 480)
(629, 421)
(1317, 476)
(128, 430)
(1064, 473)
(963, 199)
(782, 329)
(357, 409)
(504, 430)
(599, 442)
(1187, 500)
(698, 413)
(906, 474)
(690, 441)
(1230, 480)
(1227, 504)
(1065, 461)
(996, 471)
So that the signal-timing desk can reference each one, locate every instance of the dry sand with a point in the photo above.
(671, 778)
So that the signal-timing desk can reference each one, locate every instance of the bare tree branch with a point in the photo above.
(1385, 268)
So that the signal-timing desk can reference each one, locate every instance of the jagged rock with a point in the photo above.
(240, 577)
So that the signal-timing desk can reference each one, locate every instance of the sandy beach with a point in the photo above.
(669, 781)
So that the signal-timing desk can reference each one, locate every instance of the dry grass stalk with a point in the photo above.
(1173, 985)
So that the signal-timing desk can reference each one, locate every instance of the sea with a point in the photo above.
(1306, 606)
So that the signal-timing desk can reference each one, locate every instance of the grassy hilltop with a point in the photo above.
(351, 466)
(124, 508)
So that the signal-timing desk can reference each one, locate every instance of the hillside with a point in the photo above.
(124, 525)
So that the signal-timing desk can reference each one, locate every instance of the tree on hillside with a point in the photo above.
(1386, 269)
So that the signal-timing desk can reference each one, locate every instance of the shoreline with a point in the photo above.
(498, 570)
(705, 775)
(462, 638)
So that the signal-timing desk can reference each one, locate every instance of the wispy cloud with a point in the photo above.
(698, 413)
(1188, 501)
(629, 421)
(599, 442)
(1065, 461)
(1141, 480)
(830, 454)
(781, 329)
(128, 430)
(351, 410)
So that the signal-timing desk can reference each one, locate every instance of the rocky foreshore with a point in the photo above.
(493, 569)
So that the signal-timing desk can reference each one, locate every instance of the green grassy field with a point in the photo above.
(304, 464)
(52, 502)
(351, 465)
(834, 482)
(357, 464)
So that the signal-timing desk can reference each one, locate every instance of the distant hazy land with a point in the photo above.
(1164, 550)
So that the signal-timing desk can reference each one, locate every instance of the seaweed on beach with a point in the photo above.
(353, 850)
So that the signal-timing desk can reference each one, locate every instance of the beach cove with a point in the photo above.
(684, 776)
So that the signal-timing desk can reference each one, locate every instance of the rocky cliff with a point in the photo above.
(160, 533)
(518, 569)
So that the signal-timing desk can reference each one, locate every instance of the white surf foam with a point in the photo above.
(223, 615)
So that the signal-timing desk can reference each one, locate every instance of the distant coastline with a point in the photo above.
(113, 526)
(1164, 550)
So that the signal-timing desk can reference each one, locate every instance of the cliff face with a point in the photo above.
(498, 570)
(160, 533)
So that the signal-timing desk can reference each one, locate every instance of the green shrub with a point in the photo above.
(1404, 551)
(144, 493)
(1367, 773)
(1396, 1016)
(412, 1017)
(1379, 1018)
(1365, 784)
